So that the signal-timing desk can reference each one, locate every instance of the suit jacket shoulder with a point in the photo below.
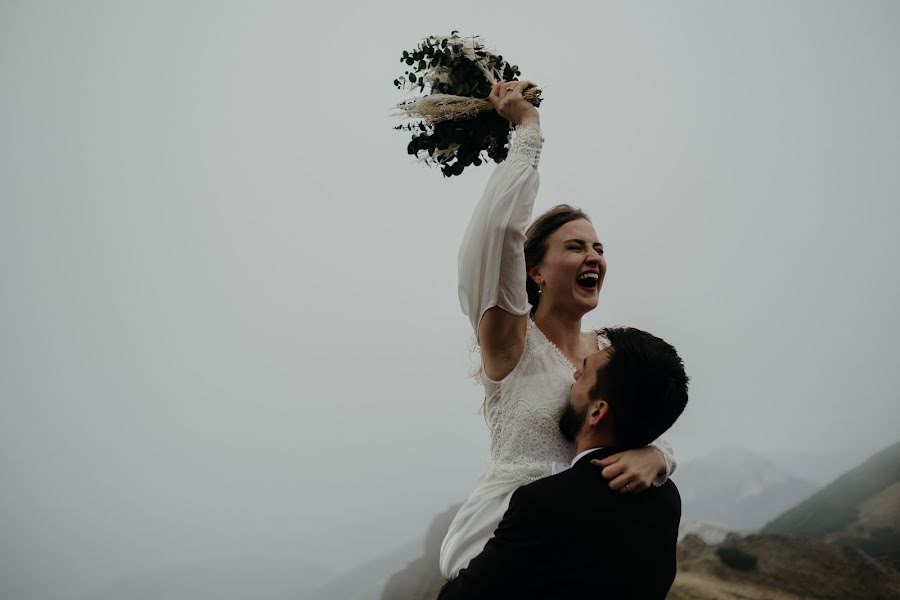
(571, 536)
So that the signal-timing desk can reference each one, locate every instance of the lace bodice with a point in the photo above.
(523, 411)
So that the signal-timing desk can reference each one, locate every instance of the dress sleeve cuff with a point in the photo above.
(526, 144)
(668, 456)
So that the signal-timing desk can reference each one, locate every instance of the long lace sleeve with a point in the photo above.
(669, 456)
(491, 259)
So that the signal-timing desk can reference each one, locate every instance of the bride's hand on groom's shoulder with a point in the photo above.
(633, 470)
(507, 99)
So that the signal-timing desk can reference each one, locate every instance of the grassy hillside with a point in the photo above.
(837, 505)
(860, 508)
(785, 569)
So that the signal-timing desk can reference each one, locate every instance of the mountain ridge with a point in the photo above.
(860, 508)
(737, 488)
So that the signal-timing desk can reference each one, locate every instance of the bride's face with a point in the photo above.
(573, 268)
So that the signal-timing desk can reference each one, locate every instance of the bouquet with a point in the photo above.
(456, 124)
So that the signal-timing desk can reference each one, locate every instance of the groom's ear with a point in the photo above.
(599, 412)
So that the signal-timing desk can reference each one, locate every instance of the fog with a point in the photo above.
(228, 311)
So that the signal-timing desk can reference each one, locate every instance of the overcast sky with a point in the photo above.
(228, 310)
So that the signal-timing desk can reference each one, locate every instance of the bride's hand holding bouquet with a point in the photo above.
(508, 102)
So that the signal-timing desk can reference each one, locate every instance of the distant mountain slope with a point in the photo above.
(786, 569)
(421, 579)
(367, 581)
(737, 488)
(409, 572)
(861, 508)
(878, 512)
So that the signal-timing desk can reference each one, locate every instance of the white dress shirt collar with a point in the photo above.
(556, 467)
(581, 455)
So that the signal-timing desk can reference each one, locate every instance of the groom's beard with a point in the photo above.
(571, 421)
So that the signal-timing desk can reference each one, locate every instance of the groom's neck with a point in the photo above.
(587, 442)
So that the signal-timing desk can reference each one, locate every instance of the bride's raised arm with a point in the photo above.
(491, 257)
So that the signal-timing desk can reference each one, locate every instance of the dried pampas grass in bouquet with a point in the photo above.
(454, 124)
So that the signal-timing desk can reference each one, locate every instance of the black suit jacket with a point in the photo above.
(570, 536)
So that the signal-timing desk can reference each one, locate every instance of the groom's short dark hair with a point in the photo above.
(643, 383)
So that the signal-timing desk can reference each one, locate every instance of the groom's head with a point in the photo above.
(627, 394)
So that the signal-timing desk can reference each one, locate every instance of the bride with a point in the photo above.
(525, 293)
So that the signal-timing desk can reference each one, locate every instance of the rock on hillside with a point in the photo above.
(709, 532)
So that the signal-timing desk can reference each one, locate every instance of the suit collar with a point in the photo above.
(598, 454)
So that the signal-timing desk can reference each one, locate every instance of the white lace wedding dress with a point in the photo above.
(522, 409)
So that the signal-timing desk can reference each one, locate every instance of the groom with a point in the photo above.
(570, 535)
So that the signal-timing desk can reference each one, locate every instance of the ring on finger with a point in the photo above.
(626, 488)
